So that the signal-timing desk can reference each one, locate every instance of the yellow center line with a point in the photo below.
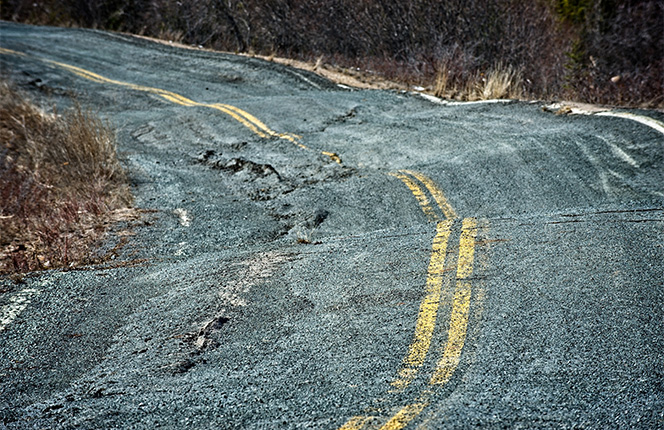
(456, 334)
(238, 118)
(426, 320)
(334, 156)
(407, 414)
(424, 329)
(437, 194)
(243, 117)
(420, 196)
(10, 52)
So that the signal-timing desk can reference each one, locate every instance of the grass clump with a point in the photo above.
(501, 82)
(61, 185)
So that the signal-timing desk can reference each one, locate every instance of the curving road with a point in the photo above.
(313, 256)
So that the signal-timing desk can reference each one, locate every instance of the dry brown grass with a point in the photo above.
(501, 82)
(62, 185)
(442, 82)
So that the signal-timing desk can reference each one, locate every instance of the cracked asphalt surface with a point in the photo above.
(312, 256)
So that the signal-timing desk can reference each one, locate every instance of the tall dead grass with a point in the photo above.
(500, 82)
(62, 185)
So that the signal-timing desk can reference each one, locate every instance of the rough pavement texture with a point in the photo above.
(278, 288)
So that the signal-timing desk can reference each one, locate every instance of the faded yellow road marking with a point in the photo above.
(467, 248)
(243, 117)
(335, 157)
(420, 196)
(406, 415)
(437, 194)
(10, 52)
(426, 320)
(457, 329)
(456, 334)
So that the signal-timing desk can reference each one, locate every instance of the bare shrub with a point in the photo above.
(560, 48)
(621, 38)
(61, 184)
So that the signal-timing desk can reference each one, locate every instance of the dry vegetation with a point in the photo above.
(62, 185)
(598, 51)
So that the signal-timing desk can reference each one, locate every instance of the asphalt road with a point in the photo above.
(313, 256)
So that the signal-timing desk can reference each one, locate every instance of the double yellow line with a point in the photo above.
(435, 208)
(411, 179)
(241, 116)
(425, 191)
